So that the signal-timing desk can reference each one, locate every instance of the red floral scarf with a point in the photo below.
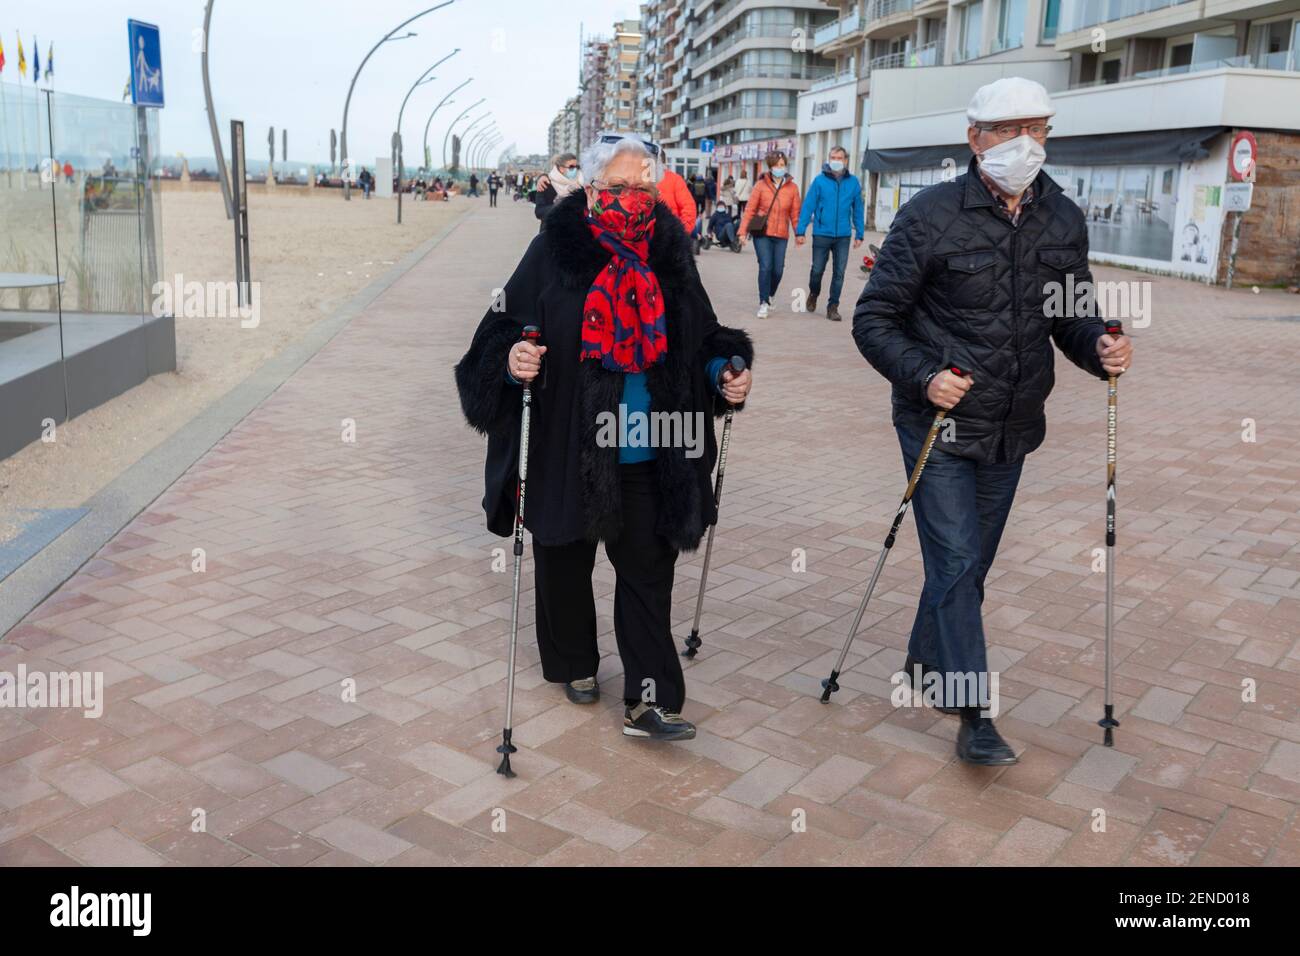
(623, 319)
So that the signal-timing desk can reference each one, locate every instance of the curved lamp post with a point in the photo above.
(486, 154)
(466, 138)
(445, 100)
(453, 126)
(343, 140)
(468, 146)
(424, 78)
(481, 157)
(223, 172)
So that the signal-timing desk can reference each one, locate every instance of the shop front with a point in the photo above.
(1155, 203)
(732, 159)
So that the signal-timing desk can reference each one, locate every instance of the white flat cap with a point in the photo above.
(1012, 97)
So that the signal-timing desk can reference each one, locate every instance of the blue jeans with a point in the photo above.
(727, 235)
(961, 507)
(824, 246)
(771, 265)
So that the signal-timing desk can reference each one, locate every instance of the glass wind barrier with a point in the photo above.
(80, 241)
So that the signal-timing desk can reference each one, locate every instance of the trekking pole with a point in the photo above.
(531, 334)
(829, 686)
(693, 643)
(1114, 328)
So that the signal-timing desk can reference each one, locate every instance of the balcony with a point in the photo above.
(835, 79)
(880, 9)
(931, 54)
(703, 123)
(836, 30)
(1287, 61)
(756, 73)
(709, 57)
(1080, 14)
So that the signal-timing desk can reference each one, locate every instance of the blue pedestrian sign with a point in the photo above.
(706, 145)
(146, 64)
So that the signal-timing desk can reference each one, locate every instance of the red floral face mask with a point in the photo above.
(627, 215)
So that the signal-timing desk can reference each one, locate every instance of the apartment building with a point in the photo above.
(563, 134)
(592, 81)
(620, 102)
(1149, 96)
(749, 61)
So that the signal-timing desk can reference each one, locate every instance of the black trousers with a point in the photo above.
(643, 593)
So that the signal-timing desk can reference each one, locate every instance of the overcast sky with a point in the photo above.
(288, 63)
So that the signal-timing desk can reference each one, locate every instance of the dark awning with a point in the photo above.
(1108, 149)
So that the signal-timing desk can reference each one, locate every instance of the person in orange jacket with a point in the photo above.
(775, 197)
(676, 195)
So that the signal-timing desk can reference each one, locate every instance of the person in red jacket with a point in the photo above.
(676, 195)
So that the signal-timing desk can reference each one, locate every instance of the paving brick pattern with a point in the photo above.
(330, 690)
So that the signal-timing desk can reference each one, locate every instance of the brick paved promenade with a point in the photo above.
(329, 561)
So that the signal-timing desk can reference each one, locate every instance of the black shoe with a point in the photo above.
(585, 691)
(978, 742)
(656, 723)
(909, 668)
(811, 304)
(833, 313)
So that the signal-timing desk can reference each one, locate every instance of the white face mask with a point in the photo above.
(1013, 165)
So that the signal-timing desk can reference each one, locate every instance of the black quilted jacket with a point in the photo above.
(956, 283)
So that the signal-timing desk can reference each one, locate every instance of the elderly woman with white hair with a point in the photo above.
(630, 371)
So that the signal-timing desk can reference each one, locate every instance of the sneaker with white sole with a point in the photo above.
(762, 311)
(656, 723)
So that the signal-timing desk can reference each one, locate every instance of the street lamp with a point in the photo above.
(223, 172)
(466, 138)
(445, 100)
(424, 78)
(453, 126)
(468, 145)
(343, 141)
(481, 157)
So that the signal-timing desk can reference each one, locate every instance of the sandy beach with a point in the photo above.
(309, 252)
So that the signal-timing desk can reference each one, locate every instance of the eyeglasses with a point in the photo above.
(619, 189)
(1012, 130)
(619, 137)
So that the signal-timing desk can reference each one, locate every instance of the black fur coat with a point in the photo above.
(573, 484)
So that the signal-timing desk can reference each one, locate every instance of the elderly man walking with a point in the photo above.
(961, 281)
(834, 207)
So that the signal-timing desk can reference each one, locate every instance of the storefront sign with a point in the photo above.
(834, 108)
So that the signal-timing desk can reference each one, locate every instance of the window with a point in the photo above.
(1180, 56)
(1011, 24)
(1110, 71)
(972, 16)
(1051, 18)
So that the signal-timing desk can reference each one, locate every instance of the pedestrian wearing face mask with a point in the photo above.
(627, 331)
(834, 207)
(961, 280)
(772, 211)
(565, 178)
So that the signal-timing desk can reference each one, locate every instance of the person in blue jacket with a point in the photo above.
(834, 207)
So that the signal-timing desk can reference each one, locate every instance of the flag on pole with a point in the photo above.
(22, 59)
(49, 64)
(36, 61)
(2, 56)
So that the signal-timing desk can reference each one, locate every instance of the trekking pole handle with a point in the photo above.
(1114, 327)
(531, 333)
(735, 365)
